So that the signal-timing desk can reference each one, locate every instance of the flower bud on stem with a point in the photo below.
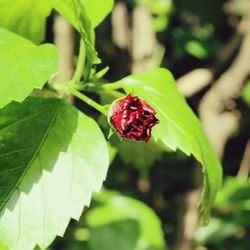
(132, 118)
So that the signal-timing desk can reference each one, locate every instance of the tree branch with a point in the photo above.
(245, 164)
(65, 42)
(217, 108)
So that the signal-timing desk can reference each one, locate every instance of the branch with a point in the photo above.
(217, 108)
(194, 81)
(64, 41)
(245, 164)
(120, 25)
(197, 79)
(189, 215)
(189, 220)
(146, 52)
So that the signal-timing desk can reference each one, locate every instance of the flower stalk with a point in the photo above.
(76, 79)
(89, 101)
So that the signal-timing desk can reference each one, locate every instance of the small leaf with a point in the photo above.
(129, 223)
(52, 157)
(25, 17)
(83, 15)
(87, 33)
(231, 214)
(246, 94)
(23, 66)
(178, 127)
(197, 49)
(96, 10)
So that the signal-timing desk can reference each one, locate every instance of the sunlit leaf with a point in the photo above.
(23, 66)
(87, 33)
(96, 10)
(85, 15)
(25, 17)
(52, 157)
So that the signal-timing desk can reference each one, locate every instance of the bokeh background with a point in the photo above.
(150, 197)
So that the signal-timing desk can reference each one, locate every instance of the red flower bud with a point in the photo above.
(133, 118)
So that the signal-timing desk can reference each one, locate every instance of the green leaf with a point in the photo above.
(87, 33)
(231, 214)
(23, 66)
(2, 247)
(235, 193)
(246, 94)
(196, 49)
(96, 10)
(52, 157)
(126, 222)
(157, 7)
(85, 15)
(179, 127)
(215, 232)
(25, 17)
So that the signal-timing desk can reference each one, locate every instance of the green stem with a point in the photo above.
(112, 86)
(80, 63)
(77, 78)
(114, 93)
(89, 101)
(93, 87)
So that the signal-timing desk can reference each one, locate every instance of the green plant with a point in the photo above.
(229, 224)
(52, 156)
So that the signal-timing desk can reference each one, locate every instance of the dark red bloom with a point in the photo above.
(133, 118)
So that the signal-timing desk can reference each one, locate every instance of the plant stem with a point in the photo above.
(92, 87)
(77, 78)
(112, 86)
(114, 93)
(80, 63)
(89, 101)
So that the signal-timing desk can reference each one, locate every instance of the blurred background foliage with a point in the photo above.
(143, 201)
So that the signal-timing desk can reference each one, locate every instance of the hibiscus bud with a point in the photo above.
(132, 118)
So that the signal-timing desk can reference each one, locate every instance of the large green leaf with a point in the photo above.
(52, 157)
(96, 10)
(23, 66)
(25, 17)
(127, 223)
(179, 127)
